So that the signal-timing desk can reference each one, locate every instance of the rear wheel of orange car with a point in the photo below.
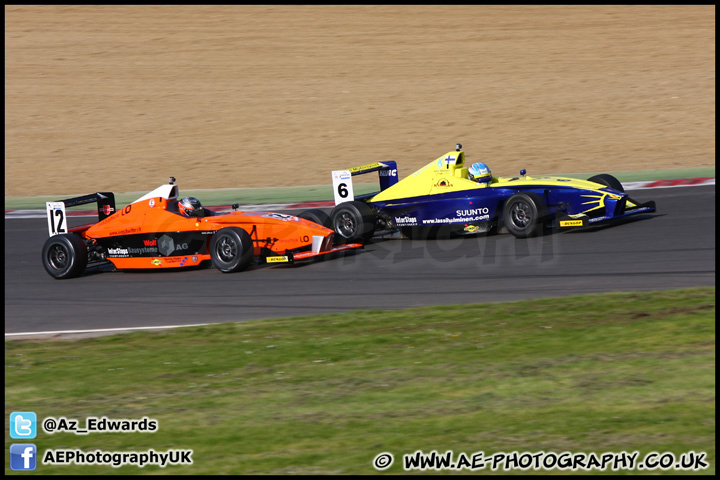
(231, 249)
(65, 256)
(524, 214)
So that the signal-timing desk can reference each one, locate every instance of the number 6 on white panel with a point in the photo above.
(342, 186)
(56, 218)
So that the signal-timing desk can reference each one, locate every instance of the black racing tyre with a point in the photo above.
(318, 216)
(524, 214)
(231, 249)
(352, 222)
(65, 256)
(608, 181)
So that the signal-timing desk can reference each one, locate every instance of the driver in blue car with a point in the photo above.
(479, 172)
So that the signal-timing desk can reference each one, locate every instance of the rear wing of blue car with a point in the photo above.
(57, 218)
(342, 179)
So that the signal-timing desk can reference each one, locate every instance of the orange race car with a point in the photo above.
(159, 231)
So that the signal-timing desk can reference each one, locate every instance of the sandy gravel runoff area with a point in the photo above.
(119, 98)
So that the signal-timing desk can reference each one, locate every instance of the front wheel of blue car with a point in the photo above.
(231, 249)
(524, 215)
(608, 181)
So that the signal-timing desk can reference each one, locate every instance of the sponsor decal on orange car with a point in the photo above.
(278, 259)
(169, 260)
(125, 231)
(281, 216)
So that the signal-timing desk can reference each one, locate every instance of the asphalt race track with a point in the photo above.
(672, 248)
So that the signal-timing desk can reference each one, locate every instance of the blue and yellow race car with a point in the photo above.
(448, 196)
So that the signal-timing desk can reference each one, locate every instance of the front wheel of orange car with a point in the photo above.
(65, 256)
(231, 249)
(318, 216)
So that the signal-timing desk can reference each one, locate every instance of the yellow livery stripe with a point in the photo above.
(366, 167)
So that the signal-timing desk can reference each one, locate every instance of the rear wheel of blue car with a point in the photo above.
(524, 214)
(608, 181)
(352, 222)
(231, 249)
(65, 256)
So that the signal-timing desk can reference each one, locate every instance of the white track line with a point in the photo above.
(102, 330)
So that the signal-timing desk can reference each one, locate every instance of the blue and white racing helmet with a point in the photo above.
(479, 172)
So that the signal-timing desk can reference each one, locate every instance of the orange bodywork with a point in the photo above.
(149, 233)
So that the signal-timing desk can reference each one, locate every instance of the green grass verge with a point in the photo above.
(315, 193)
(325, 394)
